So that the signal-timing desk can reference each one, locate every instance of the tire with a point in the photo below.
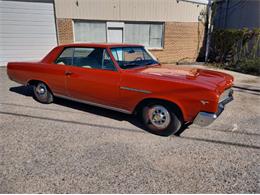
(42, 93)
(161, 118)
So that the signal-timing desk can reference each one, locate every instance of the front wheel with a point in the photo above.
(161, 119)
(42, 93)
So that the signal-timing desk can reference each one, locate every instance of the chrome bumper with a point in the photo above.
(206, 118)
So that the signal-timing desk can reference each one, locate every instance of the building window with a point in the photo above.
(148, 34)
(90, 31)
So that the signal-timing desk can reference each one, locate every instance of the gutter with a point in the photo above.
(208, 28)
(202, 2)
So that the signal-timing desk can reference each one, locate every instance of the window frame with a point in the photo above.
(104, 50)
(163, 37)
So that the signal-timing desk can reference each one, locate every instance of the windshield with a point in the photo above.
(128, 57)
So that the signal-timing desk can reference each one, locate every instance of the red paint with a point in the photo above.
(185, 87)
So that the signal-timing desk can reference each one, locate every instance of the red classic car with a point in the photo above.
(128, 79)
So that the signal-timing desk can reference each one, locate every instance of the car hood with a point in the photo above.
(201, 77)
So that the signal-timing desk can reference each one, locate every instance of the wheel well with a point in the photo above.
(33, 82)
(172, 105)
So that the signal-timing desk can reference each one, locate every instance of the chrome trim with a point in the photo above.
(94, 104)
(206, 118)
(225, 95)
(137, 90)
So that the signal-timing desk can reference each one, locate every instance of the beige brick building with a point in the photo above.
(171, 29)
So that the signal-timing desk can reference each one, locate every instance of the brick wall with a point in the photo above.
(65, 30)
(182, 42)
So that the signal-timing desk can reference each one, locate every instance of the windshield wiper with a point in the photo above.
(150, 62)
(139, 63)
(132, 63)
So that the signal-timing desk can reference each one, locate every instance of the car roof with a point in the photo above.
(101, 45)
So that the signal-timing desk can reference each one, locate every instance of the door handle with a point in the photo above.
(67, 73)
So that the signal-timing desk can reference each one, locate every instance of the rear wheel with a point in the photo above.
(42, 93)
(161, 119)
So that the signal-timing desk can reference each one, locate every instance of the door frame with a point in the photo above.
(115, 25)
(121, 29)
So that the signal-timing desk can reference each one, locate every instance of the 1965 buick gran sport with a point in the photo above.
(128, 79)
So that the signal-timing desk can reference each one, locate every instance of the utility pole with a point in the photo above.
(209, 11)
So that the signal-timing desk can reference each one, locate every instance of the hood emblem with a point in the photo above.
(204, 102)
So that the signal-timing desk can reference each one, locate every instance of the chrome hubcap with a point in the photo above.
(41, 89)
(159, 116)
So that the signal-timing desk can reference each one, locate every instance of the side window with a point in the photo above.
(118, 54)
(96, 58)
(107, 62)
(65, 57)
(88, 57)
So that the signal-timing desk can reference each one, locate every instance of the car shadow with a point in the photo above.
(23, 90)
(28, 91)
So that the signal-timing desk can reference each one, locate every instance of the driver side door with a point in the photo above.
(92, 77)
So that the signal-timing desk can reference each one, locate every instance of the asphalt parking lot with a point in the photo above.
(68, 147)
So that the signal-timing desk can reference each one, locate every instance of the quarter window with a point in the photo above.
(65, 57)
(107, 63)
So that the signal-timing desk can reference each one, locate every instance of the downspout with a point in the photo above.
(226, 14)
(208, 28)
(56, 25)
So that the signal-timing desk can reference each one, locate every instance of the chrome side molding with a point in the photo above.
(137, 90)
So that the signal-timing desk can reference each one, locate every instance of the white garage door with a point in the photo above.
(27, 30)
